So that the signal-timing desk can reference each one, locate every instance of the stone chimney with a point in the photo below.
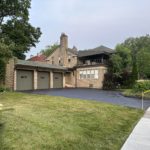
(63, 48)
(64, 41)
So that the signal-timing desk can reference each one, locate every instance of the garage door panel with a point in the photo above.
(24, 80)
(43, 80)
(57, 80)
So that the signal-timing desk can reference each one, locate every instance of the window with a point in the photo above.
(52, 60)
(81, 75)
(84, 74)
(96, 74)
(69, 58)
(92, 74)
(59, 60)
(88, 74)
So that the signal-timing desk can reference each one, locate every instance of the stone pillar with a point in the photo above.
(35, 80)
(51, 79)
(15, 80)
(9, 76)
(64, 82)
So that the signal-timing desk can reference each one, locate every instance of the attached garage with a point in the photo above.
(24, 80)
(29, 75)
(43, 80)
(57, 80)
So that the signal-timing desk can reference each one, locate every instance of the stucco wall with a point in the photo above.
(93, 83)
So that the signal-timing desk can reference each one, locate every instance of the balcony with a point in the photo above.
(92, 62)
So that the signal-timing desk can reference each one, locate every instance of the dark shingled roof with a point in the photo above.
(95, 51)
(38, 64)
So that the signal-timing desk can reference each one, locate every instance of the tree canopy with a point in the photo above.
(132, 56)
(15, 29)
(17, 35)
(49, 49)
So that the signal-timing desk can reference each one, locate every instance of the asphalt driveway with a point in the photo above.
(94, 94)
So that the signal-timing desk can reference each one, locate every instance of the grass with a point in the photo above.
(39, 122)
(132, 93)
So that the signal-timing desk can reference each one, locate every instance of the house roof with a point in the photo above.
(95, 51)
(38, 64)
(38, 58)
(72, 51)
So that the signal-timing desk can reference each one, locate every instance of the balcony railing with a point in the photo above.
(92, 62)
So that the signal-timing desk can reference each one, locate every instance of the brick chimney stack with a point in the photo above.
(63, 48)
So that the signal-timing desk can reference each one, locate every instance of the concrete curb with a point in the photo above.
(140, 136)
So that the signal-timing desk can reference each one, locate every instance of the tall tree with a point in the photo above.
(17, 35)
(14, 9)
(140, 48)
(121, 60)
(132, 56)
(15, 27)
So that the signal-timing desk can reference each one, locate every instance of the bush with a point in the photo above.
(108, 82)
(112, 81)
(140, 86)
(3, 89)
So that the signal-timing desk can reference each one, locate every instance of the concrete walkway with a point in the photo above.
(139, 139)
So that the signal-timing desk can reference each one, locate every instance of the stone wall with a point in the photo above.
(91, 83)
(71, 60)
(9, 76)
(70, 79)
(61, 56)
(55, 56)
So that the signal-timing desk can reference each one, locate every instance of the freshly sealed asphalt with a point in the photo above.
(113, 97)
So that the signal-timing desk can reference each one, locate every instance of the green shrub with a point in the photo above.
(140, 86)
(3, 89)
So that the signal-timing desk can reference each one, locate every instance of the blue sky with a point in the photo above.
(89, 23)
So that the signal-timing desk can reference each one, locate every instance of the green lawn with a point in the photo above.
(39, 122)
(132, 93)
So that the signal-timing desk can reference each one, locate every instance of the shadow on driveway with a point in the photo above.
(95, 94)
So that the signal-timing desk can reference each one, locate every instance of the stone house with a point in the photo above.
(64, 67)
(85, 68)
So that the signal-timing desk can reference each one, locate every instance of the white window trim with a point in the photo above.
(89, 74)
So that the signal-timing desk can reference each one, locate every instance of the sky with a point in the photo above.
(89, 23)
